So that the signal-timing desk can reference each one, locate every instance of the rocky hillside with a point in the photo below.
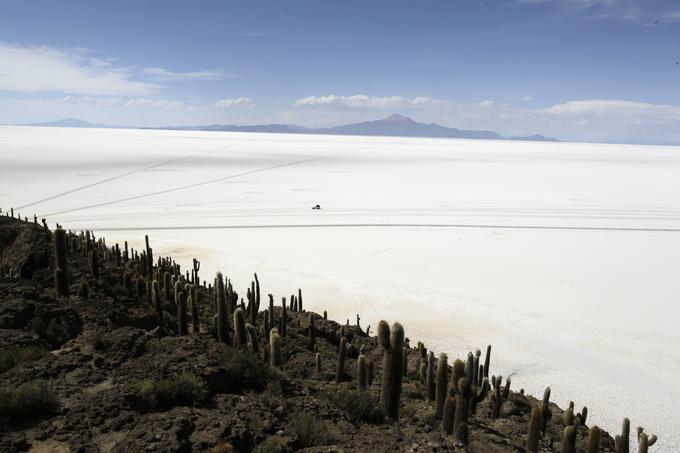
(108, 349)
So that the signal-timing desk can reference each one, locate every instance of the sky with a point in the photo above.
(578, 70)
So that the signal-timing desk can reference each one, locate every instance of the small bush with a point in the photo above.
(185, 390)
(245, 371)
(13, 356)
(311, 431)
(270, 445)
(99, 342)
(360, 406)
(31, 400)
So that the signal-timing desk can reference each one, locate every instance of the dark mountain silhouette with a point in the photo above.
(394, 125)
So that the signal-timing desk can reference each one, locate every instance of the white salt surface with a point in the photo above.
(565, 257)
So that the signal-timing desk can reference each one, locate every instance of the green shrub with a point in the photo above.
(244, 371)
(269, 445)
(310, 431)
(360, 406)
(186, 389)
(31, 401)
(13, 356)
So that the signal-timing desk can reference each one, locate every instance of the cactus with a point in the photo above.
(460, 424)
(276, 357)
(568, 417)
(149, 257)
(369, 372)
(193, 295)
(625, 437)
(252, 338)
(342, 352)
(545, 409)
(535, 423)
(157, 303)
(496, 397)
(61, 270)
(449, 412)
(93, 261)
(271, 312)
(256, 302)
(584, 415)
(182, 328)
(222, 310)
(429, 377)
(392, 341)
(441, 385)
(475, 368)
(240, 335)
(478, 394)
(569, 439)
(284, 317)
(167, 286)
(140, 287)
(361, 372)
(318, 362)
(594, 437)
(300, 299)
(404, 366)
(311, 332)
(487, 360)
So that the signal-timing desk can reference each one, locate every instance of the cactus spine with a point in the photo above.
(441, 385)
(61, 269)
(392, 342)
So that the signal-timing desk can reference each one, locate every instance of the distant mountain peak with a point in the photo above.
(397, 118)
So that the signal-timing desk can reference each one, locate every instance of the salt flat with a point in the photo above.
(565, 257)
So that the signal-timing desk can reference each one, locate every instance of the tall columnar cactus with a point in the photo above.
(252, 339)
(545, 409)
(222, 310)
(311, 331)
(193, 291)
(475, 368)
(93, 261)
(460, 422)
(487, 361)
(645, 441)
(271, 311)
(257, 301)
(496, 397)
(61, 269)
(594, 437)
(449, 412)
(361, 372)
(584, 415)
(342, 353)
(275, 354)
(158, 304)
(430, 378)
(441, 385)
(569, 439)
(479, 392)
(149, 257)
(392, 341)
(196, 267)
(167, 286)
(534, 429)
(369, 372)
(318, 362)
(182, 327)
(240, 336)
(300, 299)
(625, 437)
(284, 317)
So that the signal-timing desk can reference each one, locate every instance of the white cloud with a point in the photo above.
(34, 69)
(613, 107)
(233, 102)
(163, 75)
(155, 103)
(424, 100)
(365, 101)
(486, 103)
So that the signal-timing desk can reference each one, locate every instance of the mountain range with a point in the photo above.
(393, 125)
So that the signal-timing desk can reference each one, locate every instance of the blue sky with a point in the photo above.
(587, 70)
